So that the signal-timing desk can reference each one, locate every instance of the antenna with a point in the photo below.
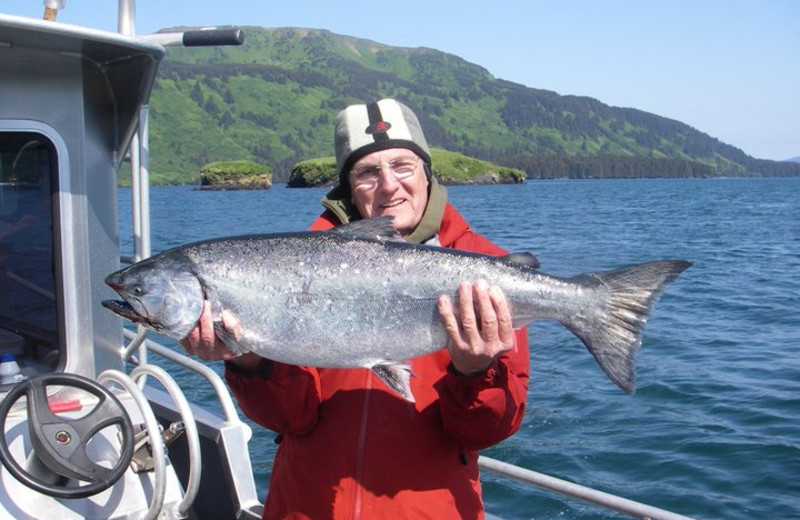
(51, 8)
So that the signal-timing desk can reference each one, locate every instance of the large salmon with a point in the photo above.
(358, 296)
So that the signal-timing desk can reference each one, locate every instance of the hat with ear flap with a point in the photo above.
(363, 129)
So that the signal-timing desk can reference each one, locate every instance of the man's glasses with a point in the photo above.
(367, 176)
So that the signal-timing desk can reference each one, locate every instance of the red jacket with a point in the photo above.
(353, 449)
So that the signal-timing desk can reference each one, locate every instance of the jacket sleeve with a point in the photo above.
(481, 410)
(284, 398)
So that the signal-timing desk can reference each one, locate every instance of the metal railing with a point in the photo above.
(587, 494)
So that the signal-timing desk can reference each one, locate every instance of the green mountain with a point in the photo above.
(273, 101)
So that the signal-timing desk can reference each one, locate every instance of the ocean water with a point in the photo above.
(712, 432)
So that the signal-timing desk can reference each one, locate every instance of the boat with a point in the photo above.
(91, 424)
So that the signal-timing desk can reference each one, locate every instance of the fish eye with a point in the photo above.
(137, 290)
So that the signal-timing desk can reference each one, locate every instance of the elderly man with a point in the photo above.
(349, 447)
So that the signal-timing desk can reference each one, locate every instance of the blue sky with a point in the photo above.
(729, 68)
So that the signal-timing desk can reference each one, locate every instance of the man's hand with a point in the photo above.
(479, 328)
(203, 342)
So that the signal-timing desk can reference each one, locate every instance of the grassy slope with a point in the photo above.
(274, 99)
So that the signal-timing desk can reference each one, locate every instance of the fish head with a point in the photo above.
(165, 296)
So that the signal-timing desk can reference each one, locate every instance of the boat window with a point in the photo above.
(28, 311)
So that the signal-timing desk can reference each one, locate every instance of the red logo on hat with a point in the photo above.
(379, 127)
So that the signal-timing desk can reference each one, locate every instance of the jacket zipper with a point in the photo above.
(362, 440)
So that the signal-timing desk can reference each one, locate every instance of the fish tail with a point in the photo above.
(614, 334)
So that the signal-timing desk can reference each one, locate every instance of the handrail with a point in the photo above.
(192, 436)
(202, 37)
(224, 397)
(594, 496)
(153, 431)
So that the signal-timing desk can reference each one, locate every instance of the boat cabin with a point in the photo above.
(73, 111)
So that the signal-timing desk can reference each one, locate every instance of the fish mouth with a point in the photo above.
(125, 310)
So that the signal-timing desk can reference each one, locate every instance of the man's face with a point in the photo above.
(393, 183)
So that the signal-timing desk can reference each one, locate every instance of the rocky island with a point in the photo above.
(235, 175)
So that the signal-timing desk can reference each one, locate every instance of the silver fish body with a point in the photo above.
(350, 297)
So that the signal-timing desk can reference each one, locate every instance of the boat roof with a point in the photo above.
(114, 54)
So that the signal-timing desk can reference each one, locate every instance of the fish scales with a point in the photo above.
(339, 300)
(352, 297)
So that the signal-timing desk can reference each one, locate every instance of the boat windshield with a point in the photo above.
(28, 311)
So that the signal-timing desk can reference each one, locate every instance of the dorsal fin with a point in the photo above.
(528, 259)
(378, 228)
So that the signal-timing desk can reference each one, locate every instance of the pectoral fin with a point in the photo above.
(396, 375)
(228, 338)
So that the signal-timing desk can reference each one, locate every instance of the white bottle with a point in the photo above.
(9, 370)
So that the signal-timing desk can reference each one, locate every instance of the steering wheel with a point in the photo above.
(60, 443)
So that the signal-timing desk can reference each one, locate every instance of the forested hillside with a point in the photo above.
(273, 101)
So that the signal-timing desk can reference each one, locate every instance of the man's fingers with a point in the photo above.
(231, 324)
(449, 320)
(485, 309)
(479, 326)
(203, 342)
(505, 327)
(467, 315)
(206, 322)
